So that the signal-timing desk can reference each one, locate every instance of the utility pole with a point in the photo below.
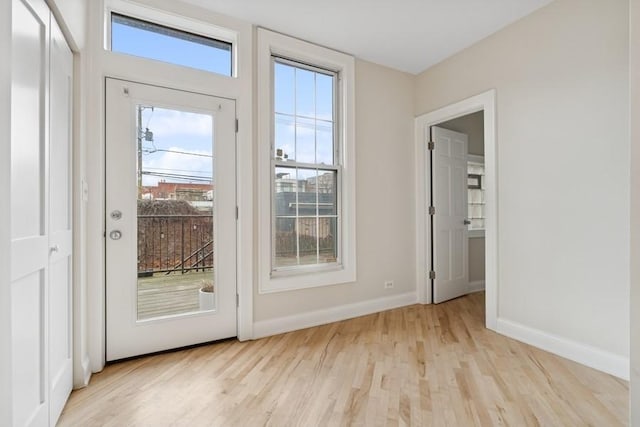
(139, 134)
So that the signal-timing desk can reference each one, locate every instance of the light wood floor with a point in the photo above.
(418, 365)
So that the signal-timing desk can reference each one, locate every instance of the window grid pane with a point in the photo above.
(305, 216)
(304, 108)
(476, 202)
(305, 208)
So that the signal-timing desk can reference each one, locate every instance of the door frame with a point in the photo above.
(486, 102)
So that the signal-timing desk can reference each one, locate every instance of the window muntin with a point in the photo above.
(306, 219)
(475, 196)
(145, 39)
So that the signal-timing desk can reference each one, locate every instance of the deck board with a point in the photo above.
(162, 294)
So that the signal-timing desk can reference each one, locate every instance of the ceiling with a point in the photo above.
(408, 35)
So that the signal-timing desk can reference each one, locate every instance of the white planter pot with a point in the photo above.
(207, 300)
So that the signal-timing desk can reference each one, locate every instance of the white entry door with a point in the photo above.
(450, 235)
(170, 218)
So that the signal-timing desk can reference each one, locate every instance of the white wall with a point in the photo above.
(82, 366)
(561, 77)
(634, 50)
(72, 18)
(473, 125)
(384, 200)
(476, 259)
(5, 219)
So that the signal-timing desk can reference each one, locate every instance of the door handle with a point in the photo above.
(115, 235)
(54, 249)
(466, 222)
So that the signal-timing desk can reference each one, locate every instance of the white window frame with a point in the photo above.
(474, 158)
(271, 44)
(174, 21)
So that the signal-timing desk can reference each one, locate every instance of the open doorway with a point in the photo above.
(479, 253)
(469, 127)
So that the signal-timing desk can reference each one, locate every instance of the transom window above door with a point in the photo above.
(179, 45)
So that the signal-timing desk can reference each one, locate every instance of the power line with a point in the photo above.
(178, 170)
(186, 153)
(178, 176)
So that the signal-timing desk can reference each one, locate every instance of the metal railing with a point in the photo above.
(174, 243)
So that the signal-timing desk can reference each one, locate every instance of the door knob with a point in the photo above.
(116, 215)
(466, 222)
(115, 235)
(54, 249)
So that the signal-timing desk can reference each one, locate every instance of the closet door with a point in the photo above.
(41, 223)
(60, 221)
(29, 212)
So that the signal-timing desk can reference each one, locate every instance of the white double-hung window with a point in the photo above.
(306, 164)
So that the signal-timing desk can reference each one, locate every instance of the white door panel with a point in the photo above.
(29, 233)
(60, 225)
(30, 394)
(450, 240)
(158, 261)
(40, 204)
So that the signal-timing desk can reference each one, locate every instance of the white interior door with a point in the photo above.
(450, 235)
(60, 224)
(170, 218)
(29, 212)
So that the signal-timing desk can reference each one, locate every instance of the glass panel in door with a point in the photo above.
(175, 197)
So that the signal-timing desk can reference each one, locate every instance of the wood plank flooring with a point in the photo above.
(414, 366)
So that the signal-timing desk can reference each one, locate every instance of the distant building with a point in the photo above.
(178, 191)
(306, 205)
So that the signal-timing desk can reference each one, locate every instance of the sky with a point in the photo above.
(182, 146)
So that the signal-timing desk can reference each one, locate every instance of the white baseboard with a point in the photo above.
(265, 328)
(82, 379)
(587, 355)
(476, 286)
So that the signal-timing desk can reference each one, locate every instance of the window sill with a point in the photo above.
(302, 270)
(313, 277)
